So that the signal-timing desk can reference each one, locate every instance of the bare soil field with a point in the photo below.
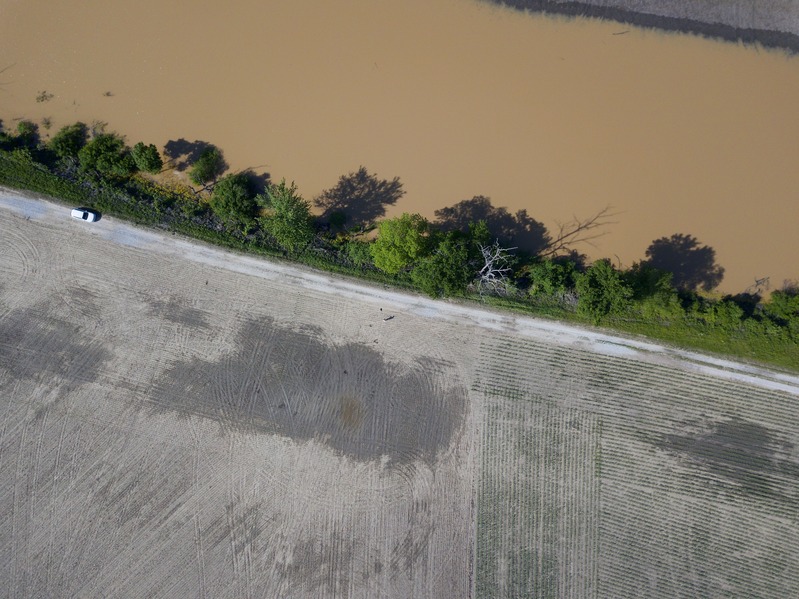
(182, 421)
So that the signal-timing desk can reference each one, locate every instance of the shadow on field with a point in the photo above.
(744, 453)
(358, 199)
(517, 230)
(296, 384)
(51, 349)
(691, 264)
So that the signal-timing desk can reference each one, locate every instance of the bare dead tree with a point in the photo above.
(577, 231)
(493, 277)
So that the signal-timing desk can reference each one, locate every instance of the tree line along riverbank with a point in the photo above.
(667, 296)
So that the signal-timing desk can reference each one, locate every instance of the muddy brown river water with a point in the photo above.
(457, 98)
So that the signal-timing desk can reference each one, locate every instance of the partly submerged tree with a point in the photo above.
(400, 242)
(208, 167)
(147, 158)
(289, 219)
(27, 133)
(69, 140)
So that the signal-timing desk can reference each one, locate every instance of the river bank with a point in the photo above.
(681, 135)
(771, 24)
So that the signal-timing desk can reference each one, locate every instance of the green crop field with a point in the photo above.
(606, 477)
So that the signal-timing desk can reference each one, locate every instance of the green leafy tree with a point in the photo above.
(147, 158)
(446, 271)
(602, 291)
(400, 242)
(108, 155)
(233, 201)
(208, 167)
(289, 220)
(69, 140)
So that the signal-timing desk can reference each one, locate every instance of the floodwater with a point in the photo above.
(457, 98)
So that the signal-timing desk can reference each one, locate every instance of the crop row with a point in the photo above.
(604, 476)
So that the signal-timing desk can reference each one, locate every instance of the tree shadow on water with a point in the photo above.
(691, 264)
(181, 153)
(258, 182)
(517, 230)
(358, 199)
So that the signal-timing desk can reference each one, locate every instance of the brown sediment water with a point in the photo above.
(557, 116)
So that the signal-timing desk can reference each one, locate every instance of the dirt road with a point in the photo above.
(177, 420)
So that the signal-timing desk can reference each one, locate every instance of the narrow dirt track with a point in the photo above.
(176, 420)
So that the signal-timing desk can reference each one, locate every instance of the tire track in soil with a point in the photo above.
(15, 243)
(33, 487)
(240, 535)
(15, 509)
(197, 495)
(53, 503)
(89, 475)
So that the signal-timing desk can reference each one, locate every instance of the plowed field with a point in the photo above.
(177, 421)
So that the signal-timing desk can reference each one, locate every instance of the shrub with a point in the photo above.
(550, 277)
(208, 167)
(602, 291)
(233, 202)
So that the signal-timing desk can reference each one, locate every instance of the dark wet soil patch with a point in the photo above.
(174, 310)
(297, 384)
(35, 346)
(751, 458)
